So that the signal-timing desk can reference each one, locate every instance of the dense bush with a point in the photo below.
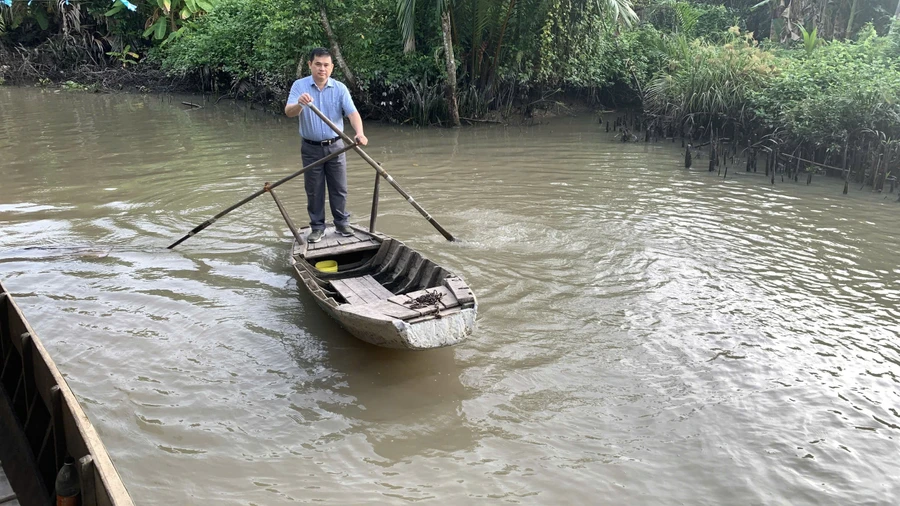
(838, 91)
(243, 39)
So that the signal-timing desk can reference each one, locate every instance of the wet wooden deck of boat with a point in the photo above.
(334, 243)
(7, 496)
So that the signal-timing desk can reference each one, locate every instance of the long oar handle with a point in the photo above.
(383, 173)
(280, 182)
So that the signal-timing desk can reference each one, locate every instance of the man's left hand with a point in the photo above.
(362, 139)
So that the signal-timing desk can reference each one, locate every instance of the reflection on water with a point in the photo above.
(647, 334)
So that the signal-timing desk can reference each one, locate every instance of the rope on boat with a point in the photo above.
(423, 301)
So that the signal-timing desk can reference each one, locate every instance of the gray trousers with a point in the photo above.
(332, 174)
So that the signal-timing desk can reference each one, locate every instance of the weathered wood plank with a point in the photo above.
(393, 310)
(391, 263)
(428, 271)
(371, 291)
(348, 291)
(399, 271)
(329, 241)
(376, 288)
(383, 251)
(341, 249)
(361, 290)
(442, 314)
(460, 289)
(413, 275)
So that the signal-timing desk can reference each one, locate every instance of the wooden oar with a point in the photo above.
(382, 172)
(280, 182)
(284, 214)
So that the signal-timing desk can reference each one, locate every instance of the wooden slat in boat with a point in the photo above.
(336, 244)
(460, 290)
(373, 294)
(42, 421)
(361, 290)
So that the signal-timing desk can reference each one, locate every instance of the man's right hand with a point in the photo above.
(305, 99)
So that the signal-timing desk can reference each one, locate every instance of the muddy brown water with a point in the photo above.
(646, 334)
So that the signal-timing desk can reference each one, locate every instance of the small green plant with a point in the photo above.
(43, 82)
(2, 81)
(811, 40)
(73, 86)
(126, 56)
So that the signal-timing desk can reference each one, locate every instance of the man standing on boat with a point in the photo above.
(333, 99)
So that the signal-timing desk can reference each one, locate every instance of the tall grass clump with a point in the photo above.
(706, 86)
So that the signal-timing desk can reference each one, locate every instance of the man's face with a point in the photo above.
(321, 68)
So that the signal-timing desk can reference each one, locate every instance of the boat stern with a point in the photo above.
(437, 332)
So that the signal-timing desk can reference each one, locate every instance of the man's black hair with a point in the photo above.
(319, 51)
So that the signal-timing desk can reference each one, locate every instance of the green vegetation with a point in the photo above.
(816, 78)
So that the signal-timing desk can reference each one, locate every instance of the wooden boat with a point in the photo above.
(42, 424)
(384, 292)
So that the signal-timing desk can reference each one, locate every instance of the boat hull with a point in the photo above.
(388, 295)
(42, 422)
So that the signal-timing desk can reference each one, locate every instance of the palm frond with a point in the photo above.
(619, 10)
(406, 18)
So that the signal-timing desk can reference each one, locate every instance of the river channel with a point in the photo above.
(647, 334)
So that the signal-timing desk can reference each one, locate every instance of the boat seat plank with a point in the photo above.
(376, 287)
(361, 290)
(460, 289)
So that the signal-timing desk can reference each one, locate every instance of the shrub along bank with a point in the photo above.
(832, 106)
(695, 68)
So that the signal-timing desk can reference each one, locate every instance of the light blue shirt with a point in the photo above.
(333, 100)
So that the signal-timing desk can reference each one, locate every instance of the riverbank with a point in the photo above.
(22, 67)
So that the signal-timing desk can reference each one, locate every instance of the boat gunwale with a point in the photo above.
(111, 484)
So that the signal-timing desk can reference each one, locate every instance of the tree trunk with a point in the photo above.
(853, 11)
(773, 15)
(496, 63)
(336, 51)
(896, 17)
(452, 104)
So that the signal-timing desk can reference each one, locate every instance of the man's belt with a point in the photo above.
(326, 142)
